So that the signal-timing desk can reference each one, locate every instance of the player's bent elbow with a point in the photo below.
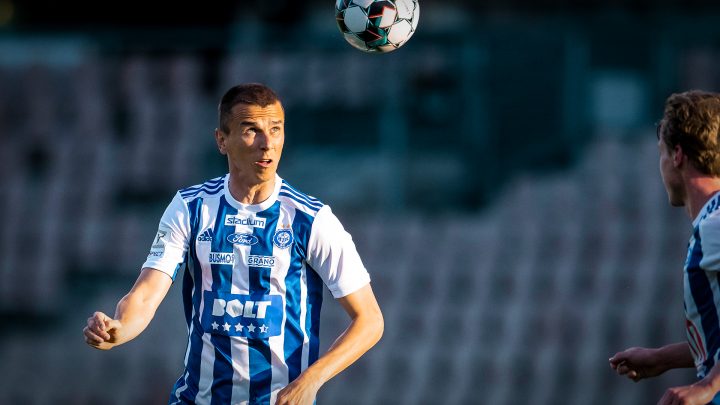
(377, 326)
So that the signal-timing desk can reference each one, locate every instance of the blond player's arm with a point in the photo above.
(133, 314)
(637, 363)
(365, 329)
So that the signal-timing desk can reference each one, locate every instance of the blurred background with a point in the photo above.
(498, 174)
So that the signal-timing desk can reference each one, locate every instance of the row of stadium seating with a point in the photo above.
(525, 303)
(535, 291)
(522, 303)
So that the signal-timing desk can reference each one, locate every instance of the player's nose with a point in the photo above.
(262, 140)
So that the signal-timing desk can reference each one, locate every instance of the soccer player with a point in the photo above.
(690, 169)
(255, 253)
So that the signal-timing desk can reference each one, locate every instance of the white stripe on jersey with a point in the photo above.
(241, 369)
(207, 363)
(277, 343)
(210, 210)
(695, 338)
(240, 284)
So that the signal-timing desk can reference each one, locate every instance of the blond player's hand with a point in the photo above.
(101, 331)
(637, 363)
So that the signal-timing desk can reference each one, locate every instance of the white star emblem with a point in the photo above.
(251, 328)
(238, 328)
(226, 326)
(214, 325)
(263, 329)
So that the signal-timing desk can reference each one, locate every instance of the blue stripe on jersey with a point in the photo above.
(313, 202)
(294, 334)
(301, 197)
(301, 194)
(206, 190)
(314, 288)
(299, 201)
(222, 281)
(702, 294)
(210, 186)
(187, 290)
(210, 182)
(312, 319)
(259, 277)
(188, 384)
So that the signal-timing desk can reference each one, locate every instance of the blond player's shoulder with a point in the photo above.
(709, 232)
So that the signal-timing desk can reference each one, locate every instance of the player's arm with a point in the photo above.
(365, 329)
(137, 308)
(700, 393)
(133, 313)
(638, 362)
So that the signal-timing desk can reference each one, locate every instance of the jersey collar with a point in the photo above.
(253, 207)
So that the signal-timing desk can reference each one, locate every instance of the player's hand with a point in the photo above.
(637, 363)
(101, 331)
(696, 394)
(298, 392)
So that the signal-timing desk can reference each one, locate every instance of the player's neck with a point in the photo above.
(699, 190)
(248, 191)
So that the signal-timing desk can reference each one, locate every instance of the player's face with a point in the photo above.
(255, 140)
(670, 175)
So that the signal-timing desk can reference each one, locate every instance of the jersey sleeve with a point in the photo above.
(167, 251)
(332, 254)
(710, 241)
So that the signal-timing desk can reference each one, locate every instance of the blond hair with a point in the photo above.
(692, 120)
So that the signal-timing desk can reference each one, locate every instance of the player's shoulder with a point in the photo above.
(209, 188)
(709, 233)
(712, 221)
(295, 198)
(710, 214)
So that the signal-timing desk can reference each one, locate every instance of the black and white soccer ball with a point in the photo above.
(377, 25)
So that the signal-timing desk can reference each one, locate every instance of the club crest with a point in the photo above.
(283, 238)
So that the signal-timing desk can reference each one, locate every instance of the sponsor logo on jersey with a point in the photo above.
(235, 308)
(255, 222)
(221, 258)
(159, 241)
(245, 239)
(206, 236)
(157, 249)
(257, 316)
(283, 238)
(261, 261)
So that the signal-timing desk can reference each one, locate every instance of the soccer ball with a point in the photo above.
(377, 25)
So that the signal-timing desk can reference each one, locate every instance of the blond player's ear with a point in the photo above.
(678, 155)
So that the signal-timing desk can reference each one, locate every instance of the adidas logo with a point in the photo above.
(205, 236)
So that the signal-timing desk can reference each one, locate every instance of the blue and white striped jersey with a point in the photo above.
(252, 287)
(702, 290)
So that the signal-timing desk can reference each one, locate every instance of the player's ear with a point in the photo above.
(220, 140)
(678, 156)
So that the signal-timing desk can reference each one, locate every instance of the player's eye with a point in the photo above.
(275, 130)
(249, 132)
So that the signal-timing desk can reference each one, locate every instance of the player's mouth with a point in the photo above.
(264, 163)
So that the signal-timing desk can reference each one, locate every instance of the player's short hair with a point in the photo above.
(248, 93)
(692, 120)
